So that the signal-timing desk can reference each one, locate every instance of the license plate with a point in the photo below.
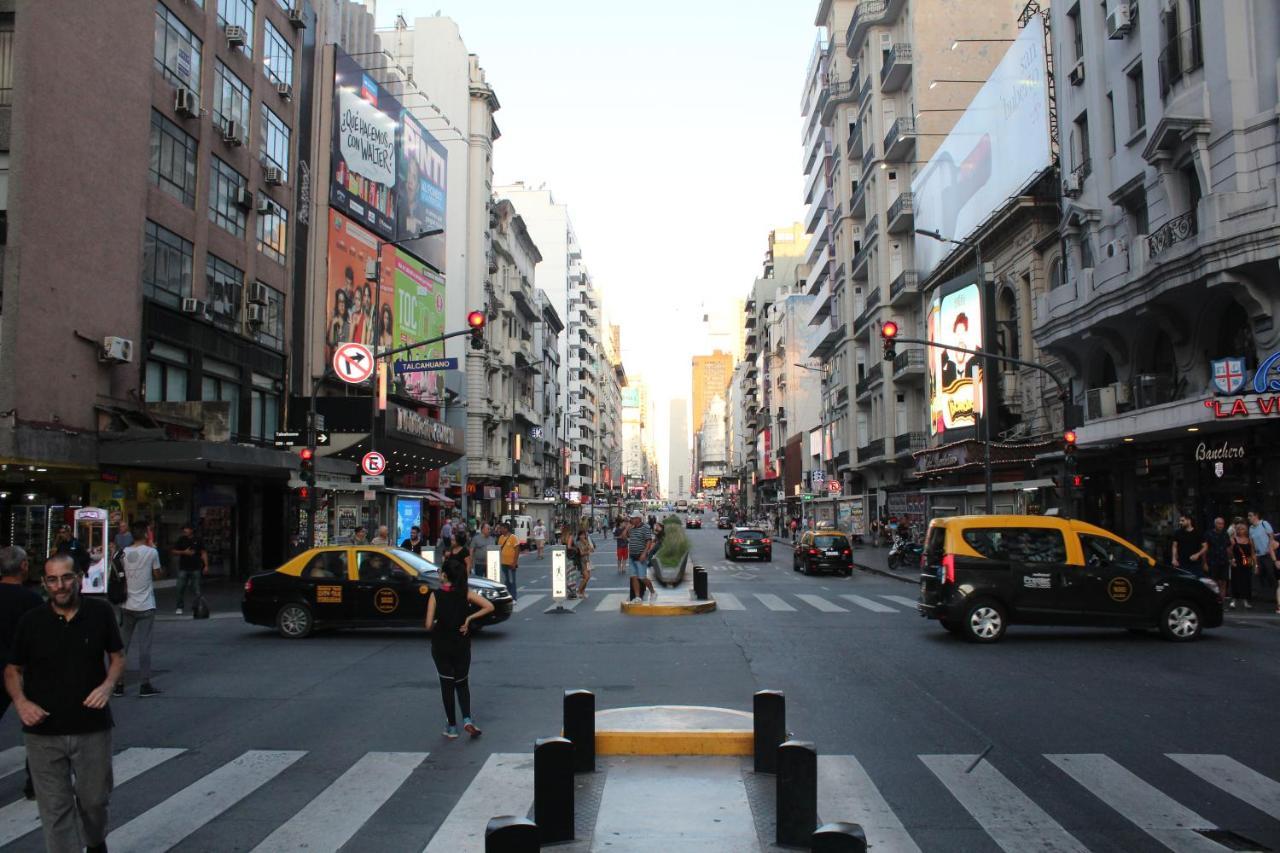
(749, 550)
(833, 553)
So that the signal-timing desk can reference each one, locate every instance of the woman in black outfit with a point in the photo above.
(449, 624)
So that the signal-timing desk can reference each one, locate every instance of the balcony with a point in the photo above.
(896, 68)
(901, 216)
(900, 140)
(1179, 58)
(905, 287)
(858, 270)
(908, 365)
(872, 301)
(1174, 231)
(873, 379)
(871, 229)
(908, 442)
(868, 13)
(838, 92)
(864, 94)
(871, 451)
(863, 321)
(858, 204)
(832, 330)
(854, 144)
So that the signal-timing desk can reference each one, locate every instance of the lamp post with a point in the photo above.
(987, 339)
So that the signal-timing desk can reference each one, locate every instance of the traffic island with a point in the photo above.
(673, 730)
(669, 605)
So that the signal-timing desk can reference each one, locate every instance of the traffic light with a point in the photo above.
(304, 493)
(306, 456)
(1069, 443)
(889, 333)
(476, 320)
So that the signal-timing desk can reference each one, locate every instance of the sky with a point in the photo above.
(670, 128)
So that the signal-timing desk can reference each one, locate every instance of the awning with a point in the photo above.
(436, 497)
(198, 456)
(977, 488)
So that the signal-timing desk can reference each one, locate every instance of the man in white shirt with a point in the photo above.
(138, 613)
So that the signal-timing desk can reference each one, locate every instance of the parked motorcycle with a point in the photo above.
(905, 553)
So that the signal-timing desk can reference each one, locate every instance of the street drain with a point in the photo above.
(1234, 841)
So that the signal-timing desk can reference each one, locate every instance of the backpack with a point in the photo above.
(117, 581)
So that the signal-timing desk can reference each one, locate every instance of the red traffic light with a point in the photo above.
(304, 493)
(1077, 481)
(889, 330)
(1069, 436)
(475, 319)
(306, 453)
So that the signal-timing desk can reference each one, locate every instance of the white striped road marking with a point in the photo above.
(612, 601)
(569, 604)
(525, 600)
(1156, 814)
(17, 819)
(1006, 814)
(12, 760)
(846, 792)
(873, 606)
(333, 817)
(727, 601)
(165, 825)
(504, 786)
(909, 603)
(820, 603)
(1241, 782)
(773, 602)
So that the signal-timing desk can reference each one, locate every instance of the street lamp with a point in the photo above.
(987, 377)
(933, 84)
(955, 43)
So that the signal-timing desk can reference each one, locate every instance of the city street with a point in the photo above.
(336, 739)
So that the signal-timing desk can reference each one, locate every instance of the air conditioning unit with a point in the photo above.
(255, 315)
(1119, 21)
(285, 90)
(1100, 403)
(191, 305)
(236, 36)
(273, 176)
(116, 349)
(295, 18)
(244, 198)
(186, 102)
(1071, 185)
(265, 205)
(1076, 75)
(231, 133)
(258, 293)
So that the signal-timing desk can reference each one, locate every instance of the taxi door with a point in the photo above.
(1116, 581)
(1043, 586)
(386, 593)
(327, 586)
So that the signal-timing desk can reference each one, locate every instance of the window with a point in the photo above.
(327, 565)
(272, 230)
(275, 141)
(264, 408)
(1109, 552)
(224, 185)
(1077, 31)
(1057, 275)
(1080, 146)
(166, 374)
(225, 287)
(222, 382)
(173, 159)
(177, 50)
(6, 64)
(1135, 204)
(277, 55)
(230, 100)
(238, 13)
(166, 265)
(1111, 123)
(1022, 544)
(271, 332)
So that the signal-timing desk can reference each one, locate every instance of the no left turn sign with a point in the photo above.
(373, 463)
(353, 363)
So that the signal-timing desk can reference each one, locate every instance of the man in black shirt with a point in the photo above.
(1217, 555)
(60, 684)
(193, 563)
(15, 600)
(1188, 546)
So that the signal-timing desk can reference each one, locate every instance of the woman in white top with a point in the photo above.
(540, 537)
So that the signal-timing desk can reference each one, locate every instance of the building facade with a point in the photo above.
(711, 375)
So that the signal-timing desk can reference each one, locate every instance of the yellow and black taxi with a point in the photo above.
(824, 551)
(980, 573)
(360, 586)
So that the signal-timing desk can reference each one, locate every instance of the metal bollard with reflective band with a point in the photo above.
(839, 837)
(509, 834)
(580, 728)
(553, 789)
(797, 792)
(700, 583)
(769, 710)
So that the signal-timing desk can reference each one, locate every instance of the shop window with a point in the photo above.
(238, 13)
(225, 288)
(224, 185)
(166, 265)
(173, 159)
(277, 55)
(177, 50)
(166, 374)
(221, 383)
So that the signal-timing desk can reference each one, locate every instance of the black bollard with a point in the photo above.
(700, 583)
(797, 788)
(769, 708)
(839, 837)
(509, 834)
(553, 789)
(580, 728)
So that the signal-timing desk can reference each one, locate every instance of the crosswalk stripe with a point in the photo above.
(163, 826)
(612, 601)
(773, 602)
(504, 786)
(1006, 814)
(873, 606)
(846, 792)
(1241, 782)
(333, 817)
(727, 601)
(17, 819)
(526, 600)
(1156, 814)
(12, 760)
(901, 599)
(820, 603)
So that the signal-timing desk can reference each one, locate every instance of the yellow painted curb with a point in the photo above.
(704, 742)
(668, 609)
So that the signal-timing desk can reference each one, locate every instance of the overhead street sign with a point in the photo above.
(287, 439)
(373, 480)
(373, 463)
(353, 363)
(425, 365)
(322, 439)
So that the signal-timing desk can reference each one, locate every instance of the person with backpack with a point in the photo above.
(450, 626)
(508, 557)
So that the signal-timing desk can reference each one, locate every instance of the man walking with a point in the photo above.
(508, 556)
(15, 601)
(414, 543)
(60, 683)
(481, 544)
(639, 544)
(1264, 545)
(446, 534)
(193, 563)
(138, 613)
(1188, 546)
(1217, 556)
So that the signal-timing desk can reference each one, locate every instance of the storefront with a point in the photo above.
(953, 482)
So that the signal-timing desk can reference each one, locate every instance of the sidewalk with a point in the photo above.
(874, 560)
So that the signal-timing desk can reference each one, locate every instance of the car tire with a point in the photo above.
(950, 626)
(294, 621)
(847, 573)
(767, 558)
(1181, 621)
(984, 621)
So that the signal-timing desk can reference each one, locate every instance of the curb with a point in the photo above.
(690, 609)
(875, 571)
(706, 742)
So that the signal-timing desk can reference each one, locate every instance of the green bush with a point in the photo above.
(675, 544)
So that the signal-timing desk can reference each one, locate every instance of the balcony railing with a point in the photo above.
(865, 317)
(866, 383)
(867, 13)
(901, 213)
(870, 230)
(873, 300)
(865, 92)
(908, 442)
(1174, 231)
(906, 284)
(873, 449)
(1180, 57)
(901, 135)
(912, 359)
(897, 64)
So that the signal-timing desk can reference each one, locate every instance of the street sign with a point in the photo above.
(353, 363)
(322, 439)
(535, 432)
(425, 365)
(833, 486)
(373, 463)
(287, 439)
(373, 480)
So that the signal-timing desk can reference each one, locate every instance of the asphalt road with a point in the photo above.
(1076, 725)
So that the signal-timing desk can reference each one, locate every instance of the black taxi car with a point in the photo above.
(980, 573)
(353, 587)
(824, 551)
(748, 542)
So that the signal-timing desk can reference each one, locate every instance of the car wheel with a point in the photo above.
(984, 621)
(949, 625)
(768, 557)
(294, 621)
(847, 573)
(1181, 621)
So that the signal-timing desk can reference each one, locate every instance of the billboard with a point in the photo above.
(1000, 144)
(420, 190)
(955, 378)
(418, 315)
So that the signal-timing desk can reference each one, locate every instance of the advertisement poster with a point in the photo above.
(408, 516)
(420, 190)
(419, 315)
(365, 131)
(955, 378)
(354, 312)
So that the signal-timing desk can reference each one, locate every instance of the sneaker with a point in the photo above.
(119, 689)
(177, 611)
(470, 727)
(1247, 605)
(450, 732)
(148, 690)
(1231, 605)
(635, 601)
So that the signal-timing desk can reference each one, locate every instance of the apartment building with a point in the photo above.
(549, 443)
(710, 374)
(679, 458)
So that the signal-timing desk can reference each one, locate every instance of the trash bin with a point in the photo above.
(700, 583)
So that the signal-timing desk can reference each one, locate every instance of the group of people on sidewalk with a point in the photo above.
(1232, 555)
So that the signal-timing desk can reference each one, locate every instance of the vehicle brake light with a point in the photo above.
(813, 552)
(846, 552)
(949, 567)
(248, 586)
(764, 541)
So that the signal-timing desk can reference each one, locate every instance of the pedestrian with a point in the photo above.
(1264, 545)
(123, 537)
(450, 624)
(1188, 546)
(15, 601)
(383, 537)
(414, 542)
(361, 536)
(795, 525)
(639, 546)
(585, 549)
(572, 557)
(620, 542)
(539, 537)
(508, 556)
(193, 564)
(138, 613)
(1244, 565)
(65, 543)
(60, 684)
(446, 532)
(458, 548)
(481, 544)
(1217, 556)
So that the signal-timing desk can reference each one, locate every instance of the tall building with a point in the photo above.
(679, 462)
(711, 375)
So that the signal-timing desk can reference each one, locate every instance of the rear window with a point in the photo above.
(749, 534)
(935, 543)
(1023, 544)
(828, 541)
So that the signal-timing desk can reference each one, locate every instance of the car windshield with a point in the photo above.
(827, 540)
(749, 534)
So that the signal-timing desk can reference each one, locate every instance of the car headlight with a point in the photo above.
(1212, 584)
(490, 592)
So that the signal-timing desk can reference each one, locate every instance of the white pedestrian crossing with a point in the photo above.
(612, 601)
(163, 826)
(909, 603)
(526, 600)
(728, 601)
(1005, 813)
(504, 786)
(846, 792)
(12, 760)
(1243, 783)
(868, 603)
(819, 603)
(773, 602)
